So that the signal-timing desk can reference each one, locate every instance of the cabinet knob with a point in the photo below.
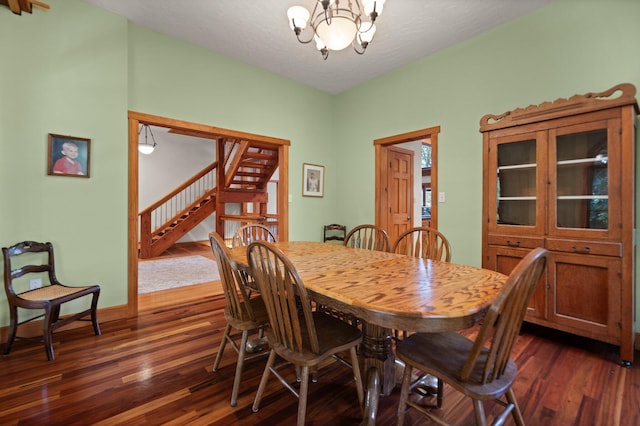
(516, 244)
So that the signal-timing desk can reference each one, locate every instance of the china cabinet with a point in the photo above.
(560, 175)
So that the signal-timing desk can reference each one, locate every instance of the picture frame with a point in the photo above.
(68, 156)
(312, 180)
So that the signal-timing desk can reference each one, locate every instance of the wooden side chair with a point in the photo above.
(247, 234)
(242, 313)
(36, 262)
(480, 369)
(300, 336)
(368, 237)
(423, 242)
(334, 232)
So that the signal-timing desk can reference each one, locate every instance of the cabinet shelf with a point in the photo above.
(583, 197)
(517, 198)
(601, 160)
(517, 166)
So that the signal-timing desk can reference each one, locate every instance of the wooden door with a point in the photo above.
(400, 191)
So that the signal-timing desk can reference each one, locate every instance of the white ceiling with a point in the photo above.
(256, 32)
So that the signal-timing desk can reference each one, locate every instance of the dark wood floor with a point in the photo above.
(156, 369)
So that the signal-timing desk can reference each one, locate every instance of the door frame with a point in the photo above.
(200, 130)
(381, 147)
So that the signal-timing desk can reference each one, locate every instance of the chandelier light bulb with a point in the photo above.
(145, 149)
(298, 17)
(319, 43)
(367, 30)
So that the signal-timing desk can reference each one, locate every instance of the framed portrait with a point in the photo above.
(68, 156)
(312, 180)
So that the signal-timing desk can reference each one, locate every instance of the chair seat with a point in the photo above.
(334, 335)
(55, 291)
(445, 358)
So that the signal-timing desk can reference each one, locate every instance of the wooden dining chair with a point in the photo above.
(35, 261)
(247, 234)
(423, 242)
(480, 368)
(244, 236)
(427, 243)
(300, 336)
(368, 237)
(242, 312)
(334, 232)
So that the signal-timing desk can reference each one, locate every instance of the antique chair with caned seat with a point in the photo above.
(242, 312)
(27, 262)
(300, 336)
(480, 368)
(368, 237)
(427, 243)
(334, 232)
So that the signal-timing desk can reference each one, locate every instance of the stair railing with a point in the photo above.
(170, 207)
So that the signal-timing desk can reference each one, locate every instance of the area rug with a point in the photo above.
(163, 274)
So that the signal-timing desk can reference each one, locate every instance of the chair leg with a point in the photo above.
(357, 376)
(47, 331)
(223, 343)
(13, 327)
(517, 414)
(440, 393)
(94, 314)
(302, 399)
(263, 381)
(481, 418)
(239, 364)
(404, 394)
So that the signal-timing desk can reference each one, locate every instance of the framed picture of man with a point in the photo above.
(68, 156)
(312, 180)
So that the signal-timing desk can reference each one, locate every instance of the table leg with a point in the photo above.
(376, 351)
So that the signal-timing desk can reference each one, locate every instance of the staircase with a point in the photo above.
(244, 169)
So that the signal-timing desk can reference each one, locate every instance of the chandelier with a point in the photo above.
(334, 26)
(145, 147)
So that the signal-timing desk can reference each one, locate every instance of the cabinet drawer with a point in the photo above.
(514, 241)
(585, 247)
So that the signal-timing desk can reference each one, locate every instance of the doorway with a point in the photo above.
(198, 130)
(388, 199)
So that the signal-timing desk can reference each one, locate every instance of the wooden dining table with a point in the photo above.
(389, 291)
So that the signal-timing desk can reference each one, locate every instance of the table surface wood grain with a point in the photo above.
(391, 290)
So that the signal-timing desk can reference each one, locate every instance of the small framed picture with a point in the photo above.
(68, 156)
(312, 180)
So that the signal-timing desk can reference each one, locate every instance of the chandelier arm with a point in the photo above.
(298, 32)
(364, 48)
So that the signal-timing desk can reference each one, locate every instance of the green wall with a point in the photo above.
(64, 71)
(77, 70)
(572, 47)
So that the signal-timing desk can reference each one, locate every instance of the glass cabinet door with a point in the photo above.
(518, 193)
(580, 158)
